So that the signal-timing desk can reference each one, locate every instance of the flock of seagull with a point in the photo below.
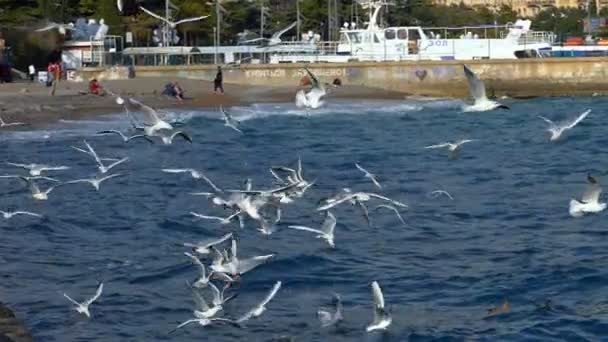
(262, 207)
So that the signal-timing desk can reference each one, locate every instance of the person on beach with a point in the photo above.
(218, 82)
(32, 72)
(95, 88)
(178, 91)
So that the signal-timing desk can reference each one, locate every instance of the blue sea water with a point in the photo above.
(506, 235)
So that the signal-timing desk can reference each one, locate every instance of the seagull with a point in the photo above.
(83, 307)
(382, 319)
(60, 27)
(390, 207)
(437, 193)
(326, 231)
(276, 37)
(235, 266)
(10, 214)
(355, 198)
(119, 5)
(8, 124)
(328, 318)
(203, 247)
(369, 175)
(102, 168)
(556, 130)
(312, 98)
(453, 147)
(203, 310)
(168, 139)
(589, 202)
(478, 92)
(37, 169)
(222, 220)
(125, 138)
(37, 194)
(171, 23)
(152, 121)
(267, 228)
(229, 121)
(203, 280)
(95, 182)
(194, 174)
(259, 309)
(202, 321)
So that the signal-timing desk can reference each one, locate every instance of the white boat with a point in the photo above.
(416, 43)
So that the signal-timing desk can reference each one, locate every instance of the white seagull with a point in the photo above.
(83, 307)
(590, 201)
(393, 209)
(196, 174)
(203, 280)
(202, 309)
(328, 318)
(276, 37)
(453, 147)
(10, 214)
(326, 231)
(259, 309)
(167, 139)
(222, 220)
(355, 198)
(95, 182)
(152, 121)
(171, 23)
(203, 247)
(125, 138)
(478, 92)
(62, 28)
(369, 175)
(202, 322)
(312, 98)
(382, 318)
(558, 129)
(235, 266)
(102, 168)
(38, 169)
(437, 193)
(229, 121)
(37, 194)
(9, 124)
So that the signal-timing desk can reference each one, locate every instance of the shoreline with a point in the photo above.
(31, 103)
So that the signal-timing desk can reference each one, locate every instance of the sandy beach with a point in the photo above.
(32, 104)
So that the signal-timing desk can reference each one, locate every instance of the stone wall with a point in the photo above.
(524, 77)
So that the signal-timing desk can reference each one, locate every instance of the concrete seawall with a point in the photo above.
(524, 77)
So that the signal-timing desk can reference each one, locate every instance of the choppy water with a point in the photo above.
(506, 234)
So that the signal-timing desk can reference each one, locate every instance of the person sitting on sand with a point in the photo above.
(169, 90)
(178, 91)
(96, 88)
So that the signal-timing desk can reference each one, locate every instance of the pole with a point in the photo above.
(167, 28)
(215, 43)
(217, 23)
(298, 28)
(261, 18)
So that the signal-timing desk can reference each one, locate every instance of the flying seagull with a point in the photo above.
(437, 193)
(328, 318)
(203, 280)
(229, 121)
(171, 23)
(203, 247)
(354, 198)
(10, 214)
(259, 309)
(558, 129)
(382, 318)
(478, 93)
(62, 28)
(9, 124)
(276, 37)
(312, 98)
(125, 138)
(168, 139)
(83, 307)
(152, 121)
(391, 208)
(37, 194)
(222, 220)
(95, 182)
(326, 231)
(369, 175)
(102, 168)
(38, 169)
(453, 147)
(590, 201)
(196, 174)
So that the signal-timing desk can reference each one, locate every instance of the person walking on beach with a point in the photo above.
(32, 72)
(218, 82)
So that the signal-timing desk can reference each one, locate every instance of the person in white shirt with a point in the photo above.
(32, 72)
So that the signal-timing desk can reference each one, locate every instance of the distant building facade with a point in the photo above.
(524, 8)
